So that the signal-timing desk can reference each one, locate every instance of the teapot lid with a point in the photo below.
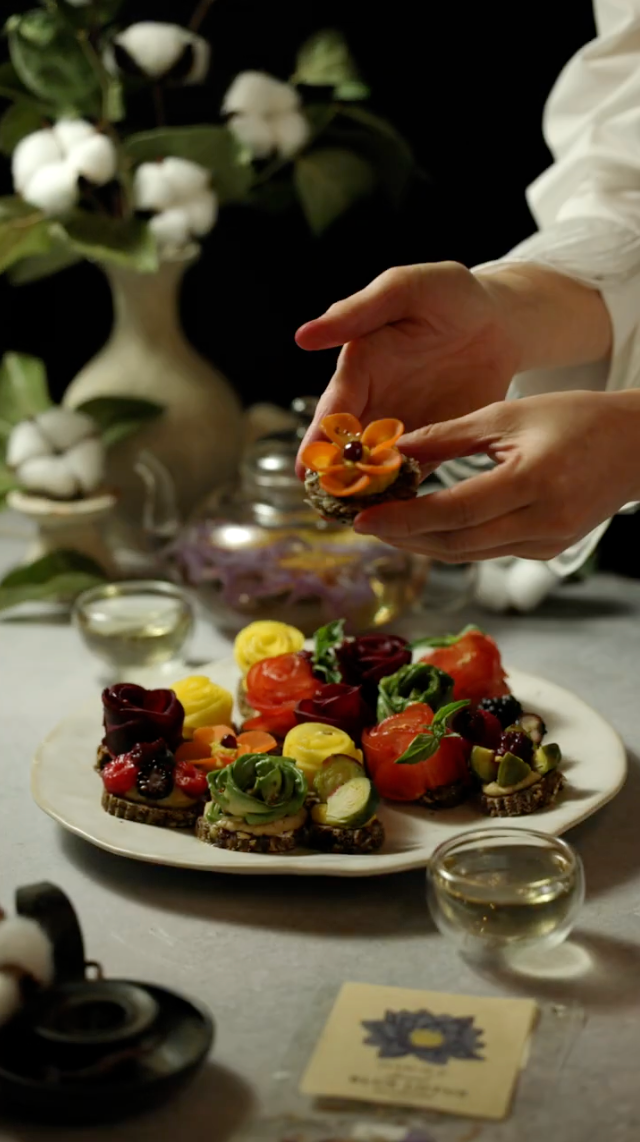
(269, 466)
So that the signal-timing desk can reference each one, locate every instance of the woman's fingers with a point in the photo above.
(538, 550)
(465, 506)
(387, 299)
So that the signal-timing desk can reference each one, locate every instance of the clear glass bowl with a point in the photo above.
(135, 624)
(495, 889)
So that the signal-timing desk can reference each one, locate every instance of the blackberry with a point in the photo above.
(518, 743)
(506, 709)
(155, 782)
(480, 727)
(148, 754)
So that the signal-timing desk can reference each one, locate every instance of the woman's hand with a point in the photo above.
(564, 463)
(423, 343)
(428, 343)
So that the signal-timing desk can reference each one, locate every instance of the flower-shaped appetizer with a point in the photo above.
(257, 805)
(205, 703)
(309, 743)
(133, 715)
(214, 747)
(354, 469)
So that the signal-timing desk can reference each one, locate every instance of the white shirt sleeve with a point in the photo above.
(587, 205)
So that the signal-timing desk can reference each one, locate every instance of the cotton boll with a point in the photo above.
(201, 61)
(87, 463)
(152, 190)
(35, 151)
(48, 476)
(171, 228)
(26, 442)
(185, 178)
(256, 93)
(70, 132)
(10, 997)
(64, 427)
(25, 945)
(291, 132)
(202, 213)
(254, 133)
(53, 189)
(96, 159)
(156, 49)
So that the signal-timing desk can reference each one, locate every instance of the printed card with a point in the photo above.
(453, 1053)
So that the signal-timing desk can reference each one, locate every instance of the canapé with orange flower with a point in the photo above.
(356, 468)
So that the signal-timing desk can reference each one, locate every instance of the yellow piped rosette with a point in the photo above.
(205, 703)
(311, 743)
(265, 639)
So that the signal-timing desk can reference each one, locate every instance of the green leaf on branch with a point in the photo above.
(58, 577)
(34, 269)
(211, 147)
(329, 181)
(325, 61)
(24, 231)
(49, 59)
(380, 143)
(19, 120)
(23, 389)
(119, 417)
(127, 243)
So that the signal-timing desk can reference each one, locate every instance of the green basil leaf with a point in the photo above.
(445, 640)
(422, 748)
(326, 639)
(446, 712)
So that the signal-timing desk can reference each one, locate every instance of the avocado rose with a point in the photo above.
(420, 682)
(257, 788)
(364, 661)
(133, 715)
(205, 703)
(265, 639)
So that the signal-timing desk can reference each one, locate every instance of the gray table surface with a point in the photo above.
(268, 956)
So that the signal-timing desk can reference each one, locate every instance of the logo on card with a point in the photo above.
(433, 1038)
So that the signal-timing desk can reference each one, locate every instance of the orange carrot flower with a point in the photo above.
(352, 462)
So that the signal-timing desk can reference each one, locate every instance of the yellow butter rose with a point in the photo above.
(310, 743)
(205, 703)
(265, 639)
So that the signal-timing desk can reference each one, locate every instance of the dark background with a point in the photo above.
(465, 83)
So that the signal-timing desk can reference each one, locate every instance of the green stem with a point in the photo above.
(104, 80)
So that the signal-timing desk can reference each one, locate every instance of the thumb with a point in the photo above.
(389, 298)
(453, 439)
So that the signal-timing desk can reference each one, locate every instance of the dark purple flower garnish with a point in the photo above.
(147, 754)
(133, 715)
(365, 660)
(340, 706)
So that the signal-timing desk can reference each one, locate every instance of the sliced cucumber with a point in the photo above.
(350, 807)
(334, 772)
(546, 758)
(512, 770)
(483, 763)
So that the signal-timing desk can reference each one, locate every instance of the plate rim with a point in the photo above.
(347, 867)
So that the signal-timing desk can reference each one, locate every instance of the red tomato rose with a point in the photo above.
(475, 665)
(385, 743)
(274, 688)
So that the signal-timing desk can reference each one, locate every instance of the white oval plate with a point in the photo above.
(65, 785)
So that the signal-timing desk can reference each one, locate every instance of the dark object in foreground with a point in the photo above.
(90, 1050)
(344, 509)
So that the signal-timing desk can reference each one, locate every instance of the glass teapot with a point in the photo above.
(258, 550)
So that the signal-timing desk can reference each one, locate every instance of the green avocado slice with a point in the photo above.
(484, 764)
(512, 770)
(546, 758)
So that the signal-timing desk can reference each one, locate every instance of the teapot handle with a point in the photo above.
(160, 515)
